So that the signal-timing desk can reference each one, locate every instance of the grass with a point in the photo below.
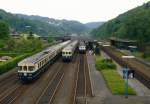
(114, 81)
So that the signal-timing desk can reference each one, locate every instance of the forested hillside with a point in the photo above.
(93, 25)
(41, 25)
(134, 24)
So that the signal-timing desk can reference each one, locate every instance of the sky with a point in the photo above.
(80, 10)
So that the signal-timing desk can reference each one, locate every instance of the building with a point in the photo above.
(124, 43)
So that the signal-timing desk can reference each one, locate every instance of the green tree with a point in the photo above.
(4, 30)
(50, 39)
(134, 25)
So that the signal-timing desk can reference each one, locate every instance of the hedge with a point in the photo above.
(9, 54)
(102, 64)
(6, 66)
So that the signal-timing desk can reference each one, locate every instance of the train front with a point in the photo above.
(82, 48)
(67, 55)
(26, 71)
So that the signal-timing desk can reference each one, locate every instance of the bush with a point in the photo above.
(105, 64)
(6, 66)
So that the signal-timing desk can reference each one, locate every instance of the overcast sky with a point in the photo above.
(81, 10)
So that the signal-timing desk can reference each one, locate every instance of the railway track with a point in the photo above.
(11, 96)
(82, 83)
(7, 78)
(142, 71)
(14, 89)
(49, 93)
(8, 83)
(65, 93)
(8, 89)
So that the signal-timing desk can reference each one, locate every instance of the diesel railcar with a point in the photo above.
(68, 51)
(31, 67)
(82, 47)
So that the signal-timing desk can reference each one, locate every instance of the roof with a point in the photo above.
(71, 45)
(82, 43)
(123, 40)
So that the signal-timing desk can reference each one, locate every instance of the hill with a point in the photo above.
(93, 25)
(41, 25)
(134, 24)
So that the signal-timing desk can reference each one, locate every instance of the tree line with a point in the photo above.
(134, 25)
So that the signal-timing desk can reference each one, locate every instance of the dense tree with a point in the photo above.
(23, 45)
(41, 25)
(4, 30)
(134, 24)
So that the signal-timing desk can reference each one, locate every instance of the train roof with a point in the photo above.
(37, 57)
(70, 46)
(81, 43)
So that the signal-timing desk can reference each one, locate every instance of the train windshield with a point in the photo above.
(30, 68)
(25, 68)
(20, 68)
(63, 52)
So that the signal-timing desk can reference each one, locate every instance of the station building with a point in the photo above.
(124, 43)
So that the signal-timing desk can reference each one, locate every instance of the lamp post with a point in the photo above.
(126, 74)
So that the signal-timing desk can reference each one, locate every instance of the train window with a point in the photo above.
(20, 68)
(25, 68)
(43, 62)
(63, 52)
(30, 68)
(39, 65)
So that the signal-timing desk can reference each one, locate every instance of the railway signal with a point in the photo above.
(126, 73)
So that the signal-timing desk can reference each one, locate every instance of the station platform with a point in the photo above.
(102, 94)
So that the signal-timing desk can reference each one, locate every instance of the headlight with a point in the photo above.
(25, 74)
